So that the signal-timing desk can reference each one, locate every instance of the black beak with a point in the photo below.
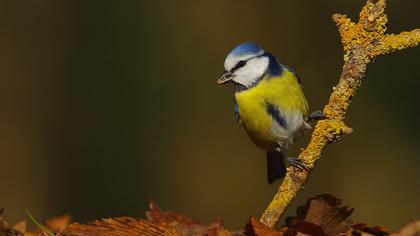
(225, 77)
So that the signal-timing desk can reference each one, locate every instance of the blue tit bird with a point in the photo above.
(268, 103)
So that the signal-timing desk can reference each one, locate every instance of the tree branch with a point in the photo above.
(362, 42)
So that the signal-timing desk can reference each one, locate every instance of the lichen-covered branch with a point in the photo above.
(362, 42)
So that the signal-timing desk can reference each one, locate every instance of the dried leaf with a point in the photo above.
(5, 230)
(122, 226)
(20, 227)
(59, 224)
(321, 214)
(160, 223)
(255, 228)
(301, 227)
(156, 215)
(373, 230)
(182, 223)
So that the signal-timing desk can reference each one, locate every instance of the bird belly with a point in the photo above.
(261, 133)
(266, 130)
(259, 125)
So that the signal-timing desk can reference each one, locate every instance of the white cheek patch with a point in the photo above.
(231, 61)
(251, 72)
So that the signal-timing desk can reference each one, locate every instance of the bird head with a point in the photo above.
(246, 64)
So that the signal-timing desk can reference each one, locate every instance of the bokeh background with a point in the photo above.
(104, 104)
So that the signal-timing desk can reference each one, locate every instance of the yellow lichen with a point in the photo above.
(391, 42)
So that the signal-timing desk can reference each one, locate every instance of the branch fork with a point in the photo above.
(362, 43)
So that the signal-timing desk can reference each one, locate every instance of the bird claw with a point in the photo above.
(298, 163)
(317, 115)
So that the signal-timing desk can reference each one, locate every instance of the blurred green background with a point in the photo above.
(104, 104)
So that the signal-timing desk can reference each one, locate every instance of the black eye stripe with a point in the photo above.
(238, 65)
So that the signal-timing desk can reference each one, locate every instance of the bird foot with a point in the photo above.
(298, 163)
(317, 115)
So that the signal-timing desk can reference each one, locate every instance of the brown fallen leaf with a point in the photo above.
(156, 215)
(58, 224)
(5, 229)
(122, 226)
(159, 223)
(301, 227)
(20, 227)
(255, 228)
(184, 224)
(321, 215)
(372, 230)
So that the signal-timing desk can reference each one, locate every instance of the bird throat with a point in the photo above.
(240, 87)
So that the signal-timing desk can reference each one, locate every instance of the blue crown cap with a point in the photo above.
(246, 49)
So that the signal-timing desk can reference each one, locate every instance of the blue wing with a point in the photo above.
(236, 110)
(274, 112)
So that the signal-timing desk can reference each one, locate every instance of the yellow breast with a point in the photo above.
(285, 93)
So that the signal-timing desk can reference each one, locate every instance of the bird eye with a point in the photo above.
(240, 64)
